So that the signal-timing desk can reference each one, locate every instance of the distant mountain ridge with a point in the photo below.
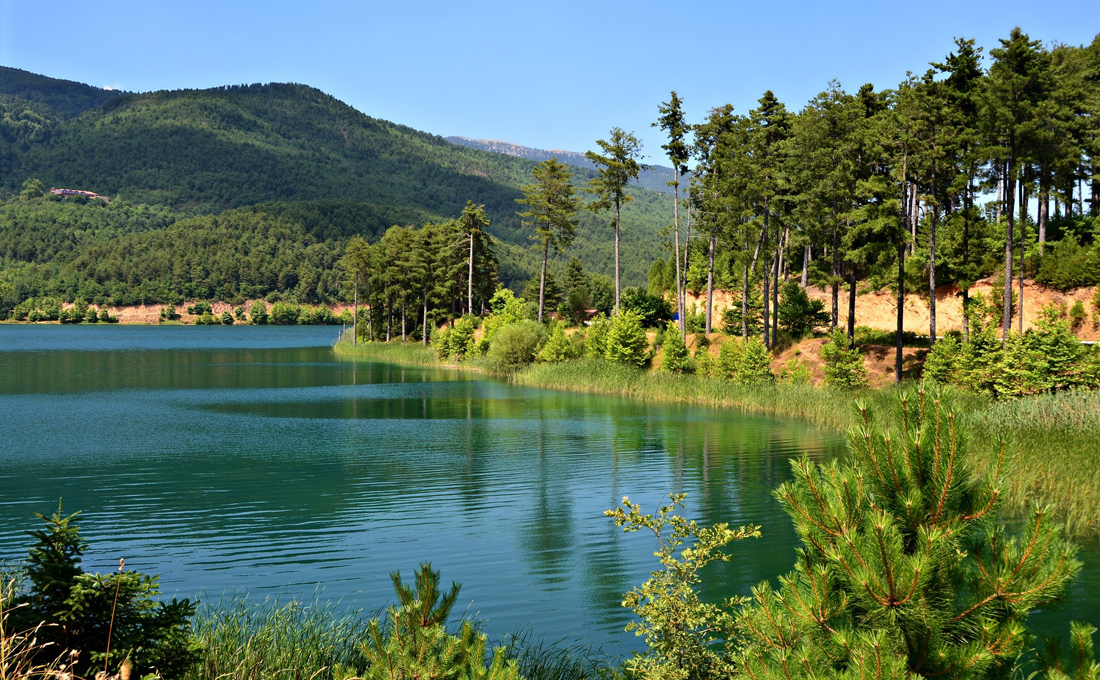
(656, 178)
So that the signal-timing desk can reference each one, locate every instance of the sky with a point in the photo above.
(551, 75)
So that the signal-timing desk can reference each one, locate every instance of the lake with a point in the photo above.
(250, 460)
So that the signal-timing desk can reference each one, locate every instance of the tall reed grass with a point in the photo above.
(408, 353)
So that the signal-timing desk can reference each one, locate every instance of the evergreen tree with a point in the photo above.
(672, 121)
(552, 207)
(902, 570)
(615, 168)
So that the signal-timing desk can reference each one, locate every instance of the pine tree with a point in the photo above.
(552, 207)
(615, 168)
(672, 122)
(902, 570)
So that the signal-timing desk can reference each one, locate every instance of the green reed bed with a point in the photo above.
(408, 353)
(247, 640)
(1053, 441)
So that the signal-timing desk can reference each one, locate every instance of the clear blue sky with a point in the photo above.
(548, 75)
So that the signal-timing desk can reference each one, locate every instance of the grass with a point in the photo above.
(248, 640)
(408, 353)
(1051, 439)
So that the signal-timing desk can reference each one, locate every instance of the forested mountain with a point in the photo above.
(656, 178)
(286, 152)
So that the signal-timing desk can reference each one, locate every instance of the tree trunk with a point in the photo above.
(1010, 185)
(1023, 248)
(355, 320)
(851, 301)
(616, 258)
(687, 253)
(404, 309)
(767, 281)
(676, 249)
(745, 305)
(806, 257)
(903, 227)
(710, 284)
(786, 267)
(470, 281)
(389, 319)
(836, 275)
(775, 298)
(932, 278)
(370, 313)
(914, 217)
(1044, 208)
(425, 334)
(542, 279)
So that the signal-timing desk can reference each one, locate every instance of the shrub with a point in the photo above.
(168, 313)
(507, 309)
(675, 358)
(1096, 307)
(285, 313)
(239, 313)
(558, 348)
(795, 372)
(1070, 265)
(227, 319)
(943, 362)
(76, 608)
(316, 316)
(516, 345)
(107, 317)
(91, 315)
(257, 313)
(729, 358)
(200, 308)
(461, 338)
(595, 344)
(798, 314)
(413, 641)
(705, 363)
(843, 367)
(755, 364)
(653, 311)
(626, 340)
(207, 319)
(441, 341)
(902, 572)
(1077, 315)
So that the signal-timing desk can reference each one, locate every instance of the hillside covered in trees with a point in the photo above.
(284, 153)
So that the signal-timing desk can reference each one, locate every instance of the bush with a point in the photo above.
(595, 344)
(558, 348)
(902, 572)
(755, 364)
(798, 314)
(626, 340)
(507, 309)
(1070, 265)
(257, 313)
(795, 372)
(705, 363)
(239, 313)
(460, 341)
(675, 358)
(77, 607)
(653, 311)
(1077, 315)
(943, 362)
(729, 358)
(316, 316)
(207, 319)
(91, 315)
(516, 345)
(843, 366)
(285, 313)
(168, 313)
(413, 641)
(227, 319)
(441, 341)
(200, 308)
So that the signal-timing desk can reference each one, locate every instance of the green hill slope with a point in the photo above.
(331, 170)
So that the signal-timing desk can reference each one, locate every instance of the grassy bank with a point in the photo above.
(1051, 439)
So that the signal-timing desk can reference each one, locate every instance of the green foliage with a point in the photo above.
(199, 308)
(558, 348)
(754, 366)
(1070, 265)
(226, 319)
(257, 313)
(843, 366)
(460, 341)
(412, 642)
(943, 362)
(284, 313)
(798, 314)
(705, 363)
(795, 372)
(687, 637)
(595, 345)
(207, 319)
(654, 310)
(1077, 315)
(441, 341)
(78, 609)
(675, 358)
(626, 340)
(902, 570)
(516, 345)
(1079, 664)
